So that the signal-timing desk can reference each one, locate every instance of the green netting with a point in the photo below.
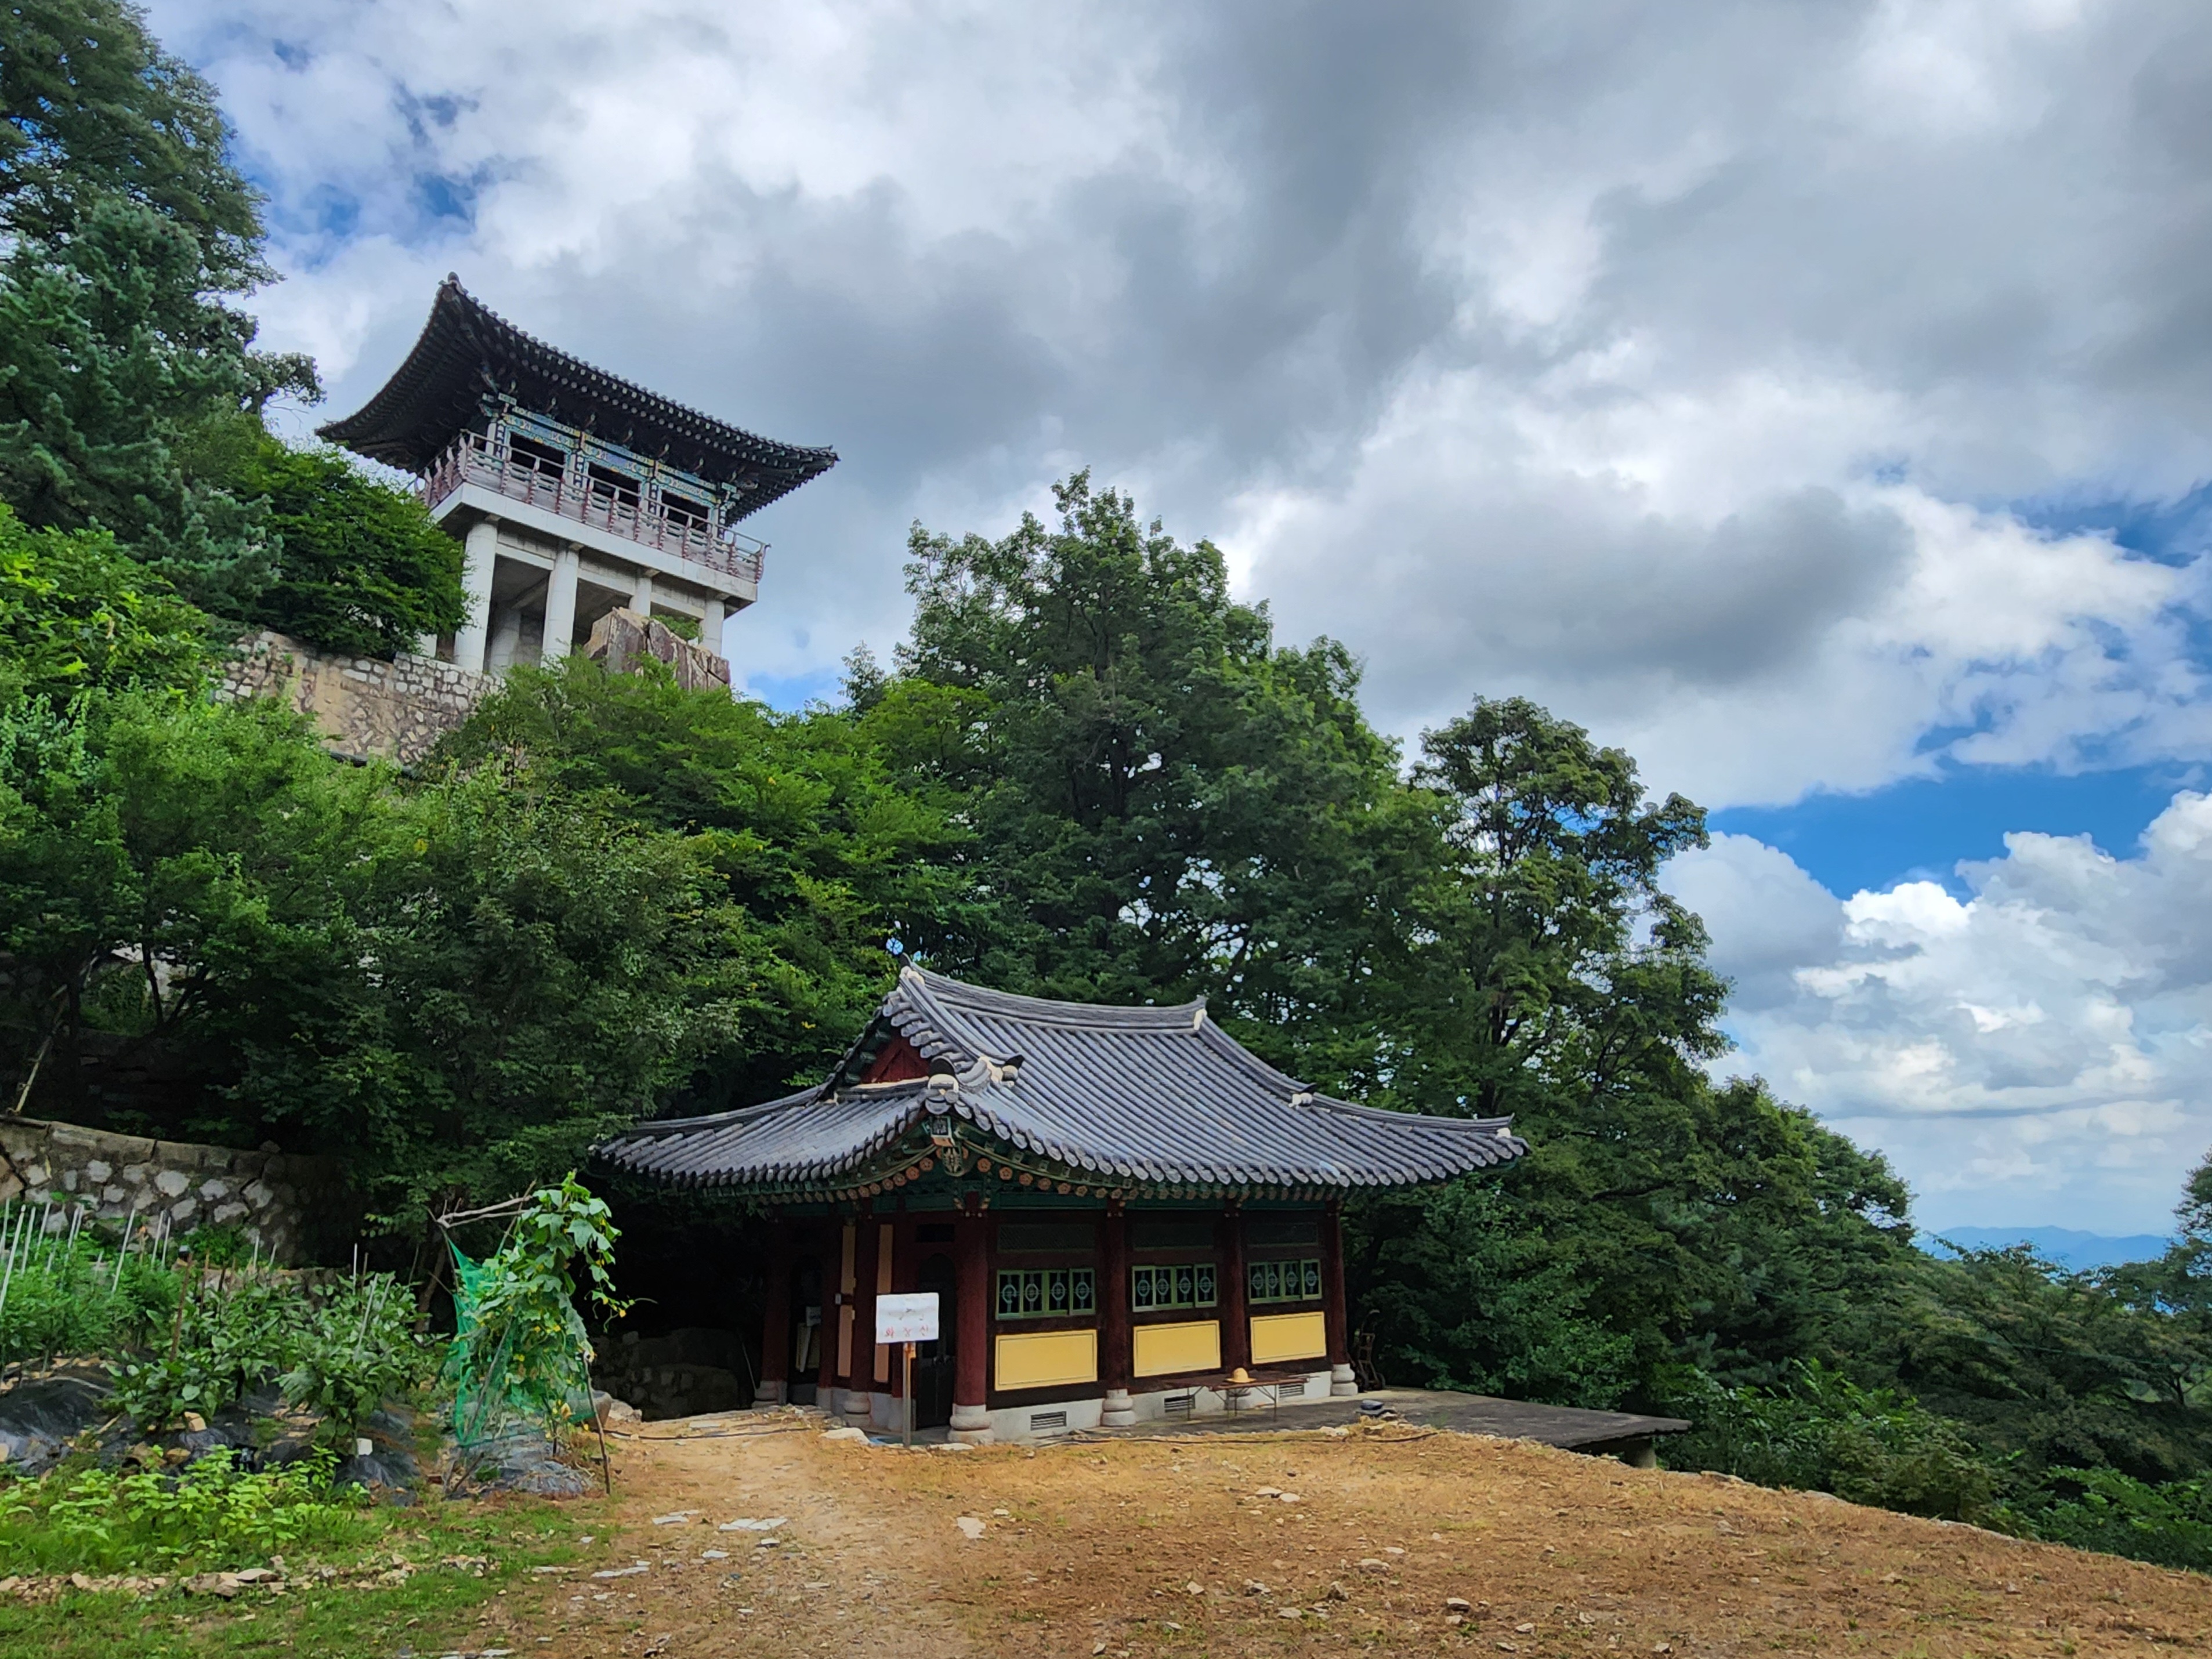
(500, 1413)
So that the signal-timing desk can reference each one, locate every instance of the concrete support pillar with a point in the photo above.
(506, 641)
(1341, 1381)
(971, 1416)
(710, 628)
(1113, 1356)
(641, 598)
(1236, 1325)
(559, 606)
(776, 1321)
(866, 1233)
(478, 554)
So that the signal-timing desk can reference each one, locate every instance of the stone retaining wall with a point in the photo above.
(365, 709)
(292, 1205)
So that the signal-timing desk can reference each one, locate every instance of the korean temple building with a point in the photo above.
(1127, 1214)
(572, 491)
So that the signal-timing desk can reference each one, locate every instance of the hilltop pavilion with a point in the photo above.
(573, 492)
(1122, 1208)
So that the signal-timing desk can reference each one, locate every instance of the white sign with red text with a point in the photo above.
(908, 1318)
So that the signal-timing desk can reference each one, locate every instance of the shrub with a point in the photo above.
(211, 1515)
(72, 1301)
(356, 1351)
(2169, 1524)
(338, 1350)
(1826, 1433)
(78, 613)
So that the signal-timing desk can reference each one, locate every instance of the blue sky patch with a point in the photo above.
(1922, 829)
(786, 694)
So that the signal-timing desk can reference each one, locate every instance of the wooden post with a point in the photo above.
(971, 1416)
(1341, 1381)
(1235, 1327)
(1113, 1356)
(833, 1275)
(860, 1394)
(776, 1321)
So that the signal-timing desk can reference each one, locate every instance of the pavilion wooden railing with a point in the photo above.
(472, 460)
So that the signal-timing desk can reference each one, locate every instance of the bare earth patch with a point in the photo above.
(1393, 1541)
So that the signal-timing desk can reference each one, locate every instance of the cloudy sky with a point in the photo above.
(1815, 399)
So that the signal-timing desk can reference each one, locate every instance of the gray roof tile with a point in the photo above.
(1158, 1095)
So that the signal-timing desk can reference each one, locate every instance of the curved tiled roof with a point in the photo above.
(467, 350)
(1136, 1097)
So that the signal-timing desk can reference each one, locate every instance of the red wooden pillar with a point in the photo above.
(971, 1416)
(1236, 1328)
(1113, 1356)
(861, 1386)
(899, 1273)
(832, 1279)
(775, 1323)
(1341, 1380)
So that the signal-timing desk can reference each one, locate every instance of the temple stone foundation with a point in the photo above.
(972, 1424)
(366, 709)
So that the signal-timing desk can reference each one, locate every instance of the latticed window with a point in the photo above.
(1185, 1285)
(1284, 1281)
(1046, 1293)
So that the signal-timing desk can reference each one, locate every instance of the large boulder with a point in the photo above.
(623, 637)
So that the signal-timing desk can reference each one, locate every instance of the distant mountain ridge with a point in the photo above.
(2077, 1252)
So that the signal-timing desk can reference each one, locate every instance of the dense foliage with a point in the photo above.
(214, 1514)
(807, 841)
(130, 234)
(359, 569)
(77, 613)
(131, 388)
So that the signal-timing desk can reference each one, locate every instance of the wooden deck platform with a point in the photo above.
(1623, 1434)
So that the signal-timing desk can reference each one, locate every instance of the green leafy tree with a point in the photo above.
(173, 879)
(1660, 1218)
(361, 568)
(128, 232)
(816, 850)
(458, 986)
(1165, 803)
(2052, 1369)
(524, 979)
(94, 109)
(76, 614)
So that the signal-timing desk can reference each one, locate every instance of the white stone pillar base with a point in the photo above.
(770, 1392)
(971, 1425)
(1120, 1413)
(1341, 1381)
(854, 1403)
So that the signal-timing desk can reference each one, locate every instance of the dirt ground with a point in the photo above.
(1389, 1540)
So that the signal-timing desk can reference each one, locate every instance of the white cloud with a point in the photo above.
(1671, 366)
(2038, 1048)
